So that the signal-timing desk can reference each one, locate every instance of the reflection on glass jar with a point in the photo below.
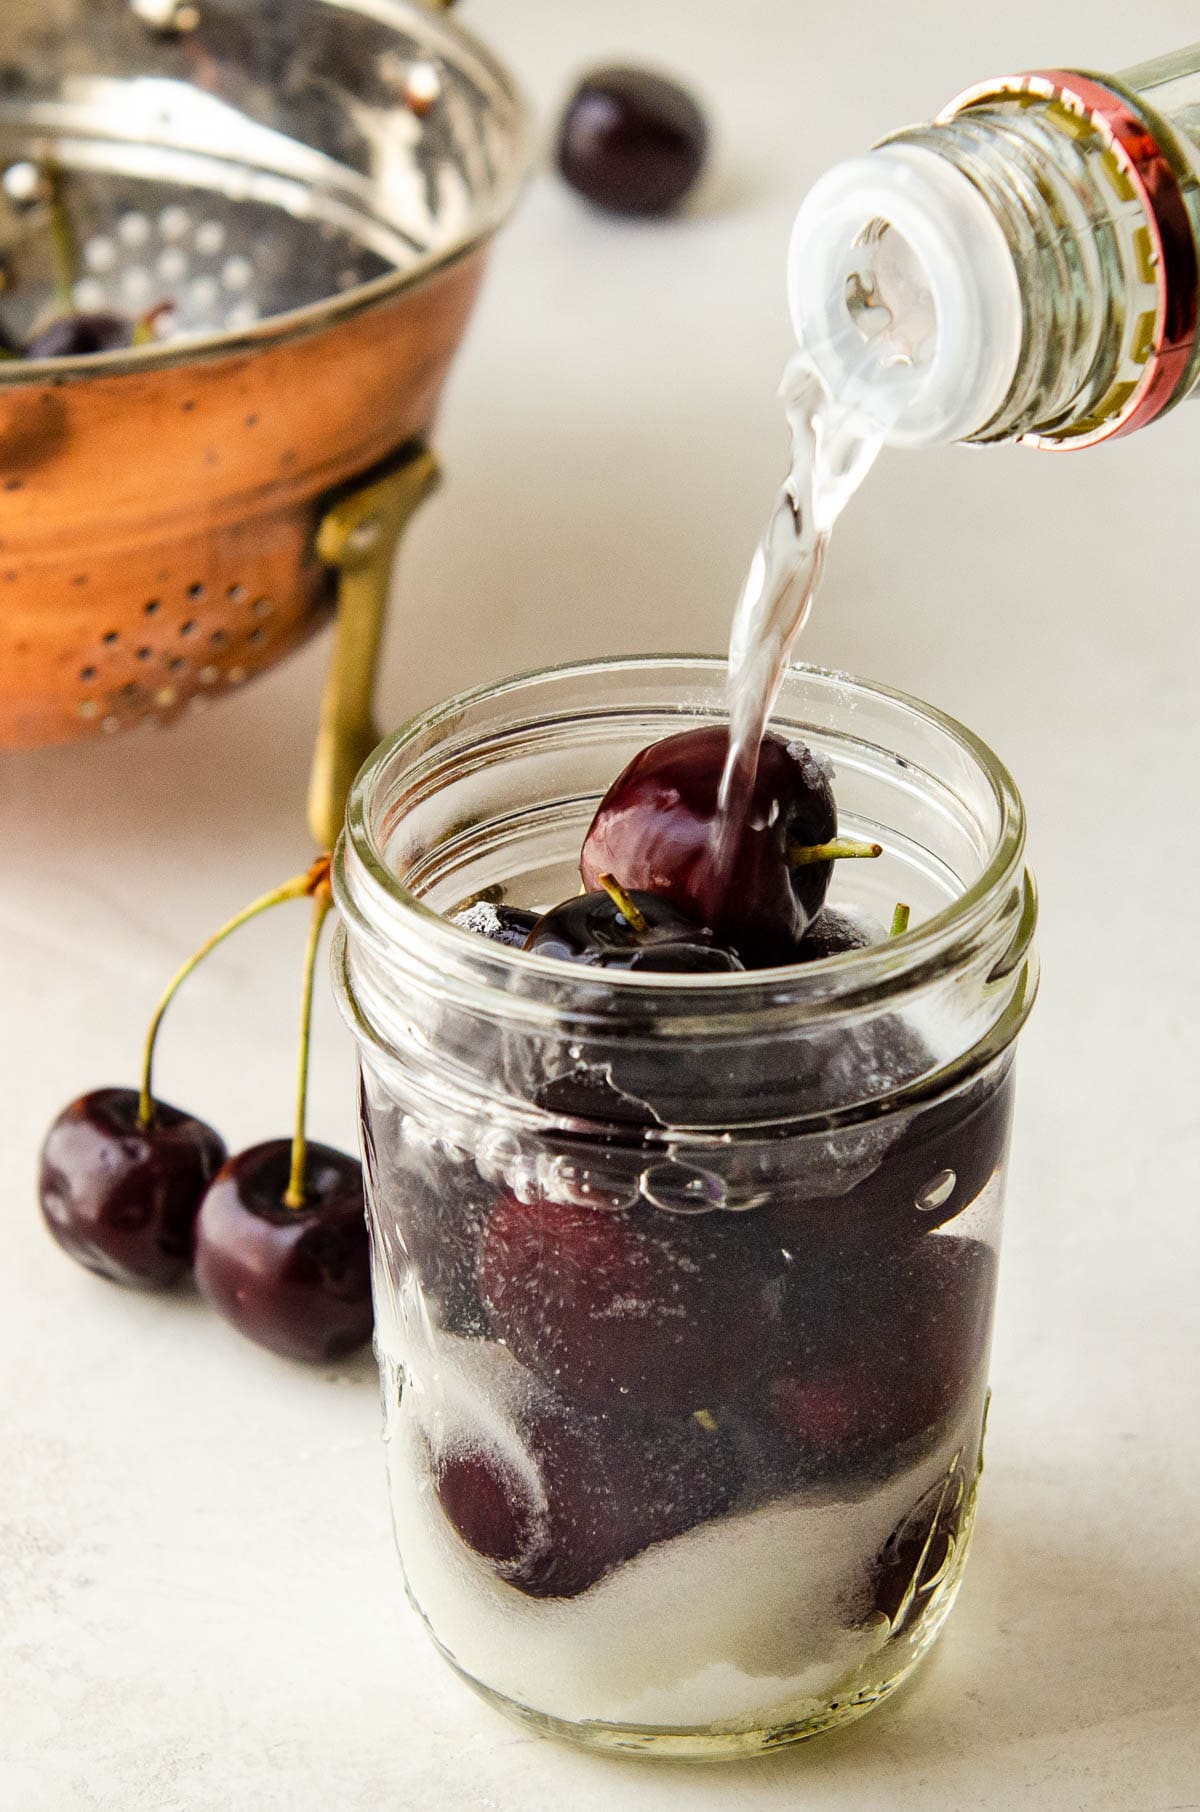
(683, 1284)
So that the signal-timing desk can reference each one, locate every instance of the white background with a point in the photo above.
(199, 1603)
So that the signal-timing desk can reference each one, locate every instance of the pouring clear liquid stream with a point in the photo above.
(834, 444)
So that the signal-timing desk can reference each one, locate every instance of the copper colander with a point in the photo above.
(311, 184)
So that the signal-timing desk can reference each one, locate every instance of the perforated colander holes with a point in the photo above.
(261, 610)
(195, 593)
(258, 607)
(177, 256)
(89, 673)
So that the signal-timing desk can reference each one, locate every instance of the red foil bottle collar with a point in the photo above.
(1153, 175)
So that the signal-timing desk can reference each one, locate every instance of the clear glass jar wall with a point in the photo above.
(683, 1285)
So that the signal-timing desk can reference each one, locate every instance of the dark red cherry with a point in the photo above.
(881, 1348)
(816, 1069)
(489, 1504)
(500, 924)
(587, 1493)
(832, 933)
(121, 1197)
(79, 336)
(666, 1311)
(592, 1095)
(296, 1280)
(591, 928)
(438, 1203)
(631, 141)
(919, 1551)
(656, 829)
(946, 1156)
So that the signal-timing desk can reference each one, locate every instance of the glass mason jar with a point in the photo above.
(683, 1285)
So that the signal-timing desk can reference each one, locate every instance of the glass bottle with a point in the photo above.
(1023, 268)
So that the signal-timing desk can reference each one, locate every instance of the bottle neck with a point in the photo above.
(1092, 193)
(1058, 247)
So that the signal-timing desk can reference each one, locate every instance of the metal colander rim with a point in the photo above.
(313, 317)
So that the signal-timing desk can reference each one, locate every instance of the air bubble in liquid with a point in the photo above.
(936, 1192)
(680, 1188)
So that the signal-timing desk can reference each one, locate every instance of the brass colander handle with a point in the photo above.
(359, 537)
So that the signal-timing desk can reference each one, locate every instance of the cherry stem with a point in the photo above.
(294, 1194)
(63, 247)
(900, 920)
(842, 849)
(145, 331)
(625, 904)
(295, 889)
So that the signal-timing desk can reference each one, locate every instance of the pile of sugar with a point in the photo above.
(752, 1615)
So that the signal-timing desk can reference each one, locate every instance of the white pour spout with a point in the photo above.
(904, 293)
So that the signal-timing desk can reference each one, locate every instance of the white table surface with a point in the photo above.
(199, 1603)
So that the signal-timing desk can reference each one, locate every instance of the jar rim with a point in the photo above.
(379, 904)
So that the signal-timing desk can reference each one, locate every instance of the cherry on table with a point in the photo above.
(657, 829)
(296, 1280)
(611, 928)
(632, 141)
(589, 1493)
(666, 1311)
(122, 1196)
